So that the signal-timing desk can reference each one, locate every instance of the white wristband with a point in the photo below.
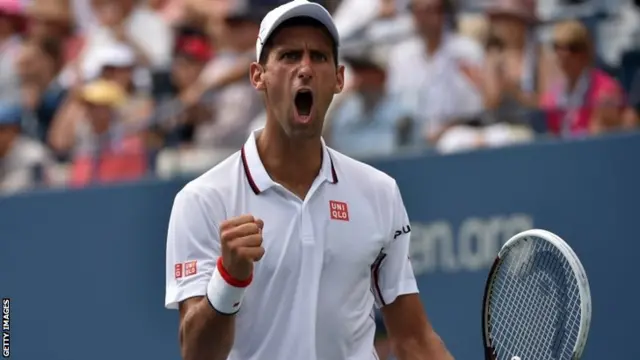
(224, 297)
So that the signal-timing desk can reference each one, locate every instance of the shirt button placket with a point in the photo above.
(310, 276)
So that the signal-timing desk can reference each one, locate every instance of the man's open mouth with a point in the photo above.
(304, 102)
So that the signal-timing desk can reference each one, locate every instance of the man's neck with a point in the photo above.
(290, 162)
(433, 41)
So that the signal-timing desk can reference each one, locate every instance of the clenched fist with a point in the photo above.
(241, 241)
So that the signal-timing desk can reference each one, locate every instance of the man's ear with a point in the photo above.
(339, 79)
(256, 73)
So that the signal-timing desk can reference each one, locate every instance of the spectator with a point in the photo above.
(457, 83)
(49, 19)
(104, 150)
(514, 73)
(223, 14)
(426, 70)
(175, 121)
(131, 22)
(53, 19)
(516, 70)
(39, 63)
(586, 100)
(117, 62)
(235, 102)
(114, 62)
(23, 161)
(11, 23)
(366, 120)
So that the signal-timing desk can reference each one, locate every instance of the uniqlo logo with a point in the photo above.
(339, 210)
(177, 270)
(190, 268)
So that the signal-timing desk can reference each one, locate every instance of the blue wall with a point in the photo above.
(85, 270)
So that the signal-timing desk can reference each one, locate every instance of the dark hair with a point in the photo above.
(450, 11)
(297, 21)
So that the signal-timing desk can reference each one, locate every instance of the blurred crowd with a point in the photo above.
(101, 91)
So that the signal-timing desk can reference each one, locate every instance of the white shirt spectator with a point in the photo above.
(146, 28)
(434, 87)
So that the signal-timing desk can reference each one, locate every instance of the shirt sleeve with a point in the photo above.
(392, 272)
(193, 245)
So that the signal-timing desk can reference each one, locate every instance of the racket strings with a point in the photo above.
(534, 304)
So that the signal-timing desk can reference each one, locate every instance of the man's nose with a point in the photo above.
(306, 70)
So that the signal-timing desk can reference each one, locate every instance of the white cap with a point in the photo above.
(111, 54)
(117, 55)
(290, 10)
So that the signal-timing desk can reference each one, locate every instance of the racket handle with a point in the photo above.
(489, 354)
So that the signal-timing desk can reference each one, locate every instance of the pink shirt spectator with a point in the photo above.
(571, 114)
(128, 162)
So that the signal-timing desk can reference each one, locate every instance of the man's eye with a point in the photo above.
(290, 56)
(319, 57)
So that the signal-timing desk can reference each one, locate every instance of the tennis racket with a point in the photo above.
(537, 302)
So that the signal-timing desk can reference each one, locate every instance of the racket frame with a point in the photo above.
(578, 271)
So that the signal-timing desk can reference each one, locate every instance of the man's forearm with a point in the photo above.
(429, 348)
(436, 348)
(206, 334)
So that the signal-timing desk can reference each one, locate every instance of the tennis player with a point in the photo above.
(280, 251)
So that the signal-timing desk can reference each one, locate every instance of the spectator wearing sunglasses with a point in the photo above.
(586, 100)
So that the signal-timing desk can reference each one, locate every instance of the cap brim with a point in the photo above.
(311, 10)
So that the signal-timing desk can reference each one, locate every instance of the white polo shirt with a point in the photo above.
(327, 258)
